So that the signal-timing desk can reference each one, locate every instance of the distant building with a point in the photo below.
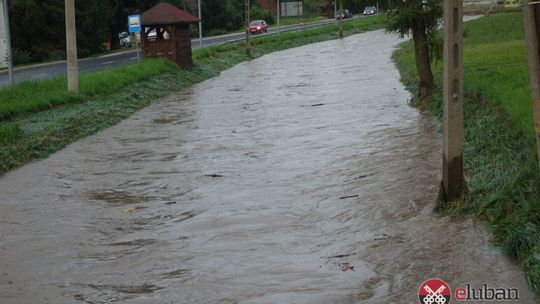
(288, 8)
(269, 5)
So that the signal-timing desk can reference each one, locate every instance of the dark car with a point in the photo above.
(370, 10)
(346, 14)
(258, 26)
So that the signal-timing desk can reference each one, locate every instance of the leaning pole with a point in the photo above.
(453, 181)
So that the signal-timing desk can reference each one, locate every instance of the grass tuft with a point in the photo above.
(34, 96)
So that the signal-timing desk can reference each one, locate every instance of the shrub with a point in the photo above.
(259, 13)
(216, 32)
(9, 133)
(21, 57)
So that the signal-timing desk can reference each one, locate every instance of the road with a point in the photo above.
(50, 70)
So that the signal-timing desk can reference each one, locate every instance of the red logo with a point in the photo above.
(434, 291)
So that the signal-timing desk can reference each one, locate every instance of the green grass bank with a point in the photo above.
(499, 151)
(39, 118)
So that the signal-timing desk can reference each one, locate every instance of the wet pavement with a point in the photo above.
(299, 177)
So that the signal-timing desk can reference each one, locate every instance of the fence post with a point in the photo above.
(453, 181)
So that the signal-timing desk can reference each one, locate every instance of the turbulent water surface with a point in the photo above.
(299, 177)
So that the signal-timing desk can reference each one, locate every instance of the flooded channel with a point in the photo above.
(299, 177)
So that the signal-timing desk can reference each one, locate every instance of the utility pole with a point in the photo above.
(8, 41)
(335, 8)
(200, 23)
(71, 47)
(341, 17)
(278, 15)
(303, 15)
(531, 17)
(453, 180)
(248, 17)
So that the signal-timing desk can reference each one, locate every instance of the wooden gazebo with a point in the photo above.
(165, 33)
(327, 8)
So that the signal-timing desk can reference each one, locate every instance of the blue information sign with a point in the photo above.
(134, 22)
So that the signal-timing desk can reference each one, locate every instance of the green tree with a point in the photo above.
(92, 26)
(37, 27)
(235, 14)
(420, 17)
(214, 15)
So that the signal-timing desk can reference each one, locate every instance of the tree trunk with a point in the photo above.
(423, 67)
(115, 41)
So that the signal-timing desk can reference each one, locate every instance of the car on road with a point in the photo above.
(346, 14)
(370, 10)
(258, 27)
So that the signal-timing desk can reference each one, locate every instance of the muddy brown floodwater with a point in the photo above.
(299, 177)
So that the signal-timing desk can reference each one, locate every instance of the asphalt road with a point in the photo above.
(50, 70)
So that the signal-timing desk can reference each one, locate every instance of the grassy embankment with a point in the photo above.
(500, 151)
(39, 118)
(299, 20)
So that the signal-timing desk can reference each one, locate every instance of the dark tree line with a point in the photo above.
(38, 27)
(38, 30)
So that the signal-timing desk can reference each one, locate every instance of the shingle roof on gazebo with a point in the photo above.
(165, 13)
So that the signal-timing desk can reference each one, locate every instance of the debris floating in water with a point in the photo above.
(339, 256)
(346, 267)
(134, 209)
(348, 196)
(382, 237)
(213, 175)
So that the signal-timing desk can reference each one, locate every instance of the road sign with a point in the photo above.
(134, 22)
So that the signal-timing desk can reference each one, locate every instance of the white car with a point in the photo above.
(370, 10)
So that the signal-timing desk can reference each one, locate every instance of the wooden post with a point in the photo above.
(453, 180)
(71, 47)
(248, 17)
(531, 17)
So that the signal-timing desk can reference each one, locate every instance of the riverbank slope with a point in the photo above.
(39, 118)
(499, 152)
